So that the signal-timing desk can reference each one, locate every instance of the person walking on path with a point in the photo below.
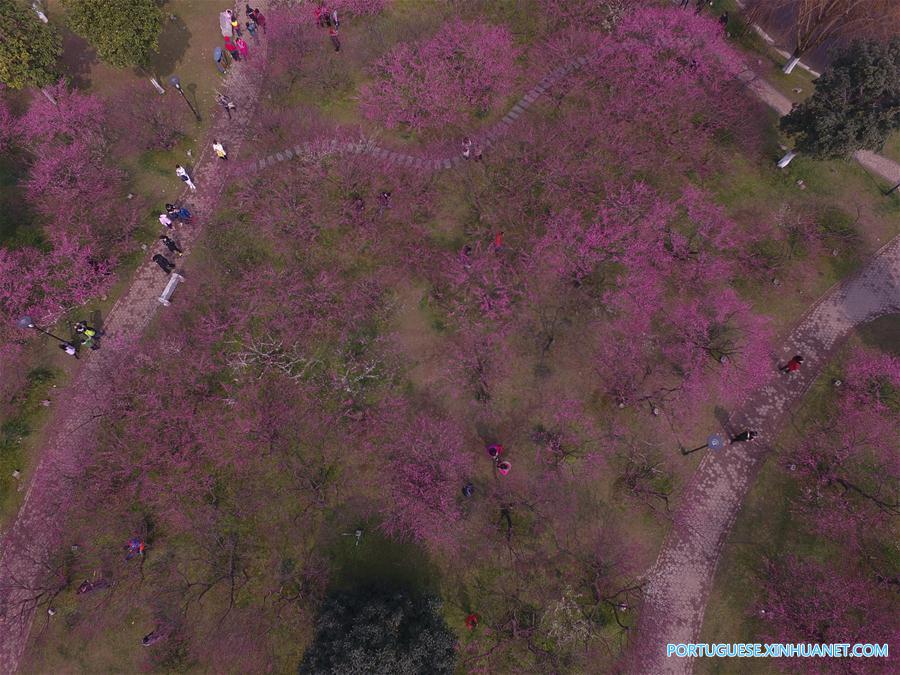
(235, 26)
(744, 437)
(183, 175)
(793, 365)
(335, 40)
(226, 103)
(259, 18)
(232, 49)
(467, 147)
(242, 48)
(498, 242)
(334, 19)
(178, 213)
(219, 149)
(165, 220)
(171, 244)
(164, 263)
(251, 29)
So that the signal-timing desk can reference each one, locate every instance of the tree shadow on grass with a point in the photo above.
(78, 58)
(174, 40)
(17, 228)
(883, 333)
(375, 560)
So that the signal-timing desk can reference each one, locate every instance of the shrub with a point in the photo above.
(463, 70)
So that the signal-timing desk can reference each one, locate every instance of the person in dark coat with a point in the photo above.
(171, 244)
(164, 263)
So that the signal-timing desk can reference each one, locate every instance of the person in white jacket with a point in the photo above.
(183, 175)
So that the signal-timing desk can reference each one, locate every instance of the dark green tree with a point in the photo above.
(29, 48)
(856, 104)
(124, 32)
(375, 631)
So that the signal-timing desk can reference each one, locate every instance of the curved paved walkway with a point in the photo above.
(36, 535)
(679, 582)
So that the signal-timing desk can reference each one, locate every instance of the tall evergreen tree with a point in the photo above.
(373, 631)
(856, 104)
(124, 32)
(28, 48)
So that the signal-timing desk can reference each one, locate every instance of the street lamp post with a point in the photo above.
(714, 442)
(176, 82)
(27, 322)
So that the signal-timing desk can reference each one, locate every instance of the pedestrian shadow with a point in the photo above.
(174, 40)
(97, 320)
(191, 91)
(722, 416)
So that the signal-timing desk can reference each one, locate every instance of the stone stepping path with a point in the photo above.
(421, 163)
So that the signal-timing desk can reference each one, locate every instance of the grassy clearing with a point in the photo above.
(21, 433)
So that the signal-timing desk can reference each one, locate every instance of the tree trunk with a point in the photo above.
(784, 161)
(49, 97)
(792, 62)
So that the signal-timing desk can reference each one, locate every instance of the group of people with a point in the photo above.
(87, 336)
(789, 368)
(167, 219)
(495, 451)
(329, 19)
(233, 34)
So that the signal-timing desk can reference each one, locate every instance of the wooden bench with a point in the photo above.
(170, 288)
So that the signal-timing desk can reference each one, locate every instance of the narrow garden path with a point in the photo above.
(678, 584)
(28, 571)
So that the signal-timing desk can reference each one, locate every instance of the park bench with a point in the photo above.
(170, 288)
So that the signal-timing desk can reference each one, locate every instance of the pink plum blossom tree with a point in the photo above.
(463, 70)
